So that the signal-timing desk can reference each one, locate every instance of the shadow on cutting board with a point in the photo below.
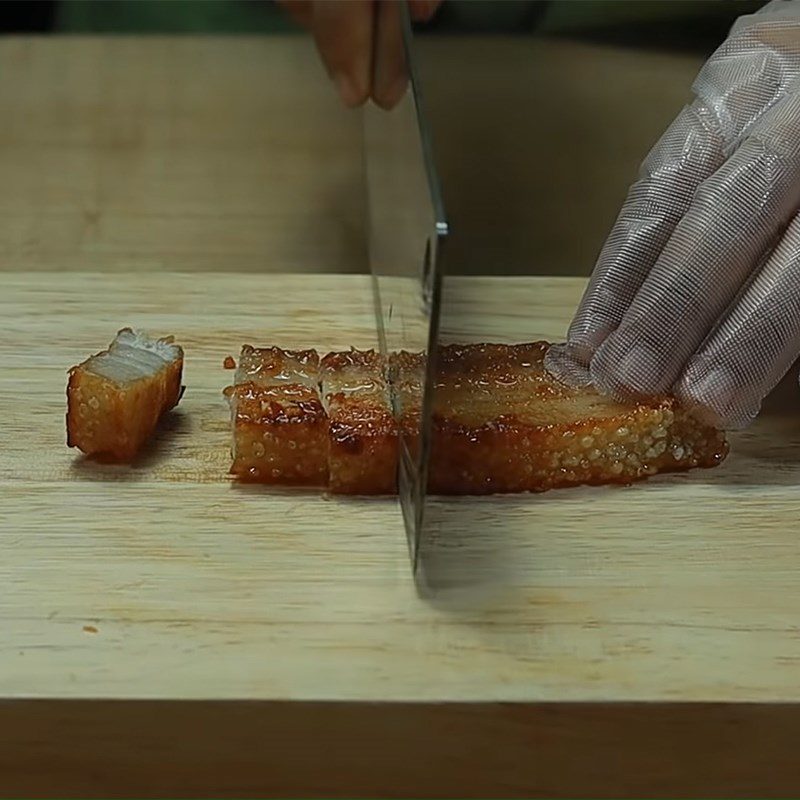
(768, 452)
(467, 560)
(482, 551)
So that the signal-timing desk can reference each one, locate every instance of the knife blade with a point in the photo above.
(407, 229)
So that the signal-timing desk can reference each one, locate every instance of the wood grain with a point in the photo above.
(165, 633)
(681, 590)
(233, 153)
(126, 153)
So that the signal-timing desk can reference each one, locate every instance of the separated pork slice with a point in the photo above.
(362, 433)
(501, 423)
(115, 398)
(280, 428)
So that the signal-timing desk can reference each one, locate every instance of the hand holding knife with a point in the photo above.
(361, 44)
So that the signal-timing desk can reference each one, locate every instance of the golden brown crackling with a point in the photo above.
(506, 455)
(502, 424)
(362, 427)
(269, 366)
(363, 446)
(280, 434)
(338, 362)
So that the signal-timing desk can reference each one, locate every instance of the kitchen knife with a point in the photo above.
(407, 228)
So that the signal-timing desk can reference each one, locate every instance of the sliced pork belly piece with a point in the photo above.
(115, 398)
(280, 429)
(362, 429)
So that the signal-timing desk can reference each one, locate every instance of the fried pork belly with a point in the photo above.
(407, 375)
(501, 423)
(280, 429)
(362, 433)
(115, 398)
(271, 366)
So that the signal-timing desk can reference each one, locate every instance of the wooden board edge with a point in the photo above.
(143, 749)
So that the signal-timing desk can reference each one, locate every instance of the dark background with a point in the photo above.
(666, 24)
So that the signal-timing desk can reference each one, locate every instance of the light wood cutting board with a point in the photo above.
(168, 589)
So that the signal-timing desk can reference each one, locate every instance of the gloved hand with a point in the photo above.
(697, 289)
(361, 44)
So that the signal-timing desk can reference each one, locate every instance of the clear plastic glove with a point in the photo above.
(361, 44)
(697, 289)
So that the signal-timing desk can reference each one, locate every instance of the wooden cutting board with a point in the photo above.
(170, 632)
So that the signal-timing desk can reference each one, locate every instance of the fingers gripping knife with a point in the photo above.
(406, 232)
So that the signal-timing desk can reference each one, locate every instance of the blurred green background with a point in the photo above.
(669, 24)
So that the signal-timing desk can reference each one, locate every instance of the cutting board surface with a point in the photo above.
(166, 580)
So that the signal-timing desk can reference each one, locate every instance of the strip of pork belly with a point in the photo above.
(503, 424)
